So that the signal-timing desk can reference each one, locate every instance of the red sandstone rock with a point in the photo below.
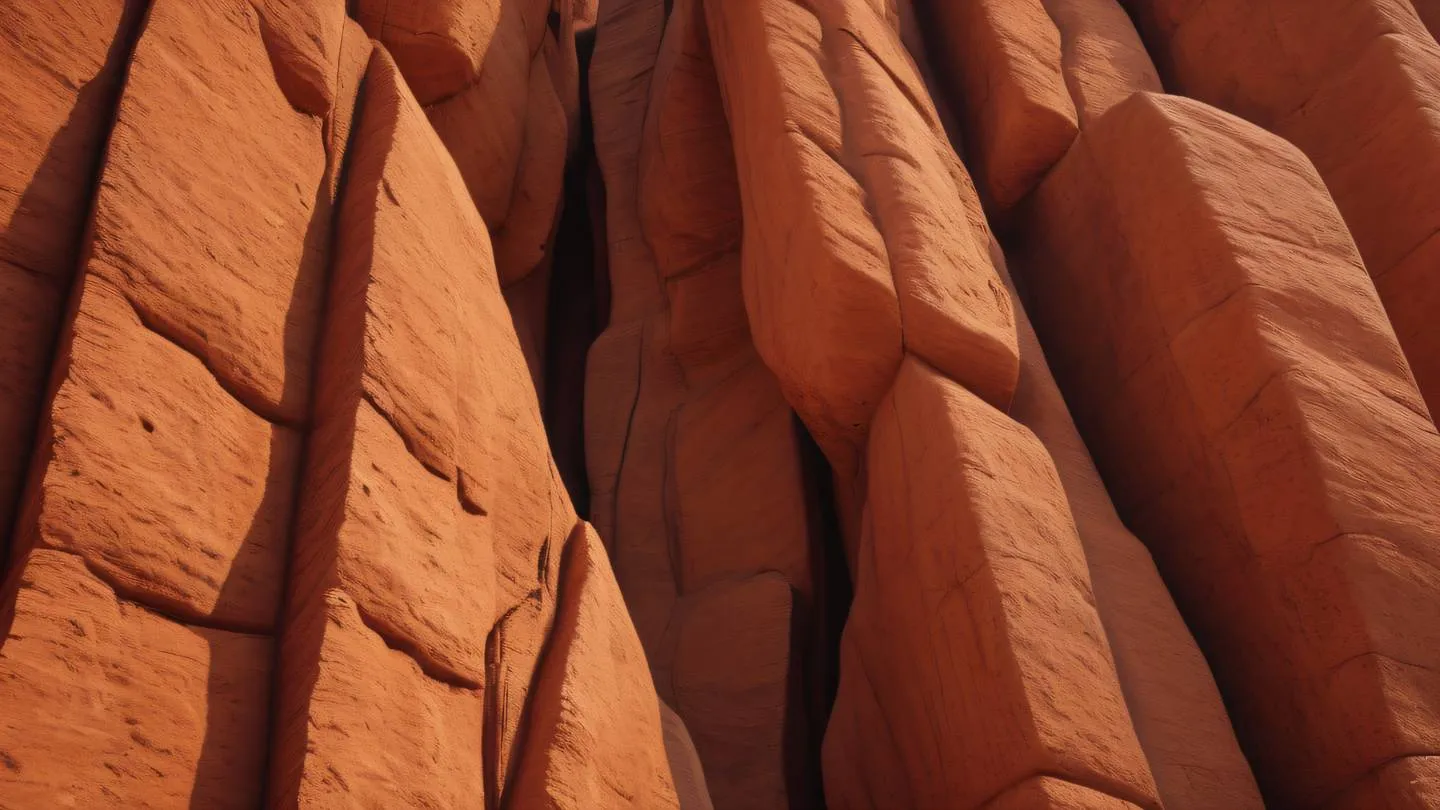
(60, 75)
(1355, 85)
(440, 46)
(303, 38)
(1259, 427)
(685, 767)
(398, 516)
(432, 521)
(239, 284)
(1179, 718)
(380, 730)
(787, 227)
(816, 254)
(973, 622)
(1101, 55)
(109, 704)
(682, 406)
(821, 298)
(732, 679)
(591, 747)
(170, 489)
(1003, 61)
(1045, 792)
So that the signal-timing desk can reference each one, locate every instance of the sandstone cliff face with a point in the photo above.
(292, 534)
(297, 296)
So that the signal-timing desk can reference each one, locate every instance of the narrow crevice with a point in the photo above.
(573, 319)
(834, 591)
(119, 58)
(307, 450)
(522, 733)
(493, 721)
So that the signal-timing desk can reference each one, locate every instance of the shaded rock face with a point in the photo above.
(719, 404)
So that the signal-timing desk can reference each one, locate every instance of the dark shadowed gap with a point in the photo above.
(820, 679)
(576, 307)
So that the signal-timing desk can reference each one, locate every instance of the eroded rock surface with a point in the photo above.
(296, 296)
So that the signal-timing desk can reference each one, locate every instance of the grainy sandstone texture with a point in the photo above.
(668, 404)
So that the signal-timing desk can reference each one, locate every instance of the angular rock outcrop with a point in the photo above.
(165, 470)
(61, 71)
(720, 570)
(1355, 85)
(498, 81)
(289, 405)
(297, 296)
(1259, 428)
(1179, 718)
(433, 523)
(837, 114)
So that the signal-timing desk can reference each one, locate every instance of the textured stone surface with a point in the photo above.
(1003, 61)
(679, 403)
(572, 760)
(60, 75)
(170, 489)
(1356, 85)
(1179, 718)
(1258, 426)
(973, 624)
(185, 471)
(287, 286)
(109, 704)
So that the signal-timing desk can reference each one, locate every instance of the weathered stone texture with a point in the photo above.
(1355, 84)
(296, 296)
(1258, 425)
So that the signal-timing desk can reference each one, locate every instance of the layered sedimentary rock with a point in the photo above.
(846, 179)
(296, 296)
(289, 405)
(167, 460)
(1259, 428)
(719, 568)
(1355, 84)
(498, 80)
(1179, 718)
(60, 76)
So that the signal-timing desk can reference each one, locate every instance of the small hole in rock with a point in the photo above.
(147, 424)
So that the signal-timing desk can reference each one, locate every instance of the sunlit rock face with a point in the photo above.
(719, 404)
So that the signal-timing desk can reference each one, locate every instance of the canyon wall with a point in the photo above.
(719, 404)
(292, 534)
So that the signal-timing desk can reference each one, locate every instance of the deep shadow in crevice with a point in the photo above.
(818, 682)
(578, 300)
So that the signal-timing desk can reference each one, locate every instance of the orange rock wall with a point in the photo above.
(719, 569)
(296, 296)
(1354, 84)
(292, 535)
(1258, 425)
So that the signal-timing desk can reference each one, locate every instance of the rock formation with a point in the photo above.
(636, 404)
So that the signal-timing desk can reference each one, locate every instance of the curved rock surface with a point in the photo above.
(297, 296)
